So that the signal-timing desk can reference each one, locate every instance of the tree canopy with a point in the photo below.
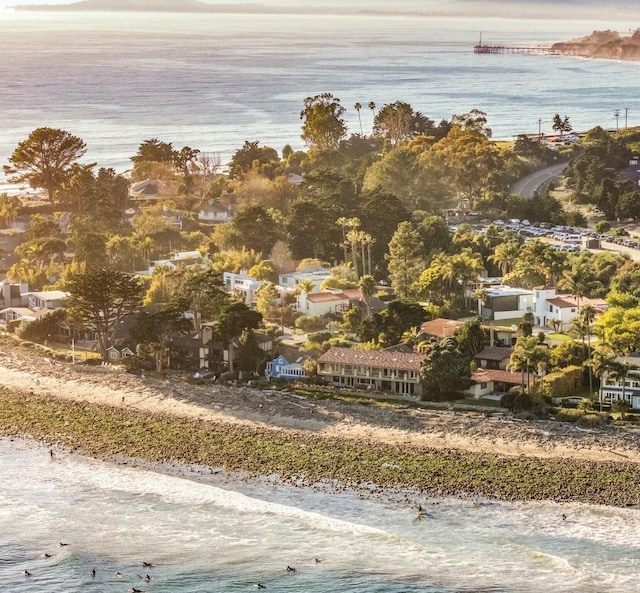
(44, 159)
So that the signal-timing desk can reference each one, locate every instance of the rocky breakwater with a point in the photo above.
(608, 44)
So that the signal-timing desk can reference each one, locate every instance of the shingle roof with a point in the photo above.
(373, 358)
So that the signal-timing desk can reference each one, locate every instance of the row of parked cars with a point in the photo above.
(566, 238)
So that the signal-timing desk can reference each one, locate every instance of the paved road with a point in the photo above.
(527, 186)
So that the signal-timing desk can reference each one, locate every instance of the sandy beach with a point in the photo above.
(25, 371)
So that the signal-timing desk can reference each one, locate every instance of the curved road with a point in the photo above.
(527, 186)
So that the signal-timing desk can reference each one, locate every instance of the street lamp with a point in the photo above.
(616, 114)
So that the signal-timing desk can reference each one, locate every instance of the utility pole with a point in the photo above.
(539, 128)
(616, 114)
(626, 117)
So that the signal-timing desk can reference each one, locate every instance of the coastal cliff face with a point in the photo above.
(603, 44)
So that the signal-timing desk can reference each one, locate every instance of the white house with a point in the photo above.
(214, 213)
(322, 303)
(177, 260)
(243, 286)
(50, 300)
(504, 302)
(550, 308)
(292, 279)
(281, 368)
(492, 382)
(611, 389)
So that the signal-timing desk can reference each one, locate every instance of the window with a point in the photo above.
(483, 385)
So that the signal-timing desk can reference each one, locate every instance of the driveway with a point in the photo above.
(527, 186)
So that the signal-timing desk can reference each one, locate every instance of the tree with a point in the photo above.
(445, 372)
(44, 159)
(528, 355)
(232, 319)
(560, 125)
(204, 293)
(255, 229)
(266, 297)
(358, 107)
(367, 285)
(100, 299)
(398, 122)
(8, 208)
(323, 126)
(405, 263)
(471, 338)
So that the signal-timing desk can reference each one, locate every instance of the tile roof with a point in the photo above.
(373, 358)
(326, 297)
(441, 328)
(486, 375)
(563, 302)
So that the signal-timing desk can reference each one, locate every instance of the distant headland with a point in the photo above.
(142, 6)
(602, 44)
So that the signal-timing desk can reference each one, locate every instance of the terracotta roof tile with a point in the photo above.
(441, 328)
(486, 375)
(373, 358)
(494, 353)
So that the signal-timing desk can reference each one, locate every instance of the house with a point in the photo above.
(493, 358)
(149, 189)
(214, 213)
(281, 368)
(611, 388)
(20, 314)
(113, 354)
(553, 310)
(395, 372)
(52, 299)
(504, 302)
(242, 285)
(218, 357)
(173, 217)
(322, 303)
(13, 295)
(492, 382)
(181, 259)
(439, 329)
(292, 279)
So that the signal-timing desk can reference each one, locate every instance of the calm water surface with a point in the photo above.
(213, 81)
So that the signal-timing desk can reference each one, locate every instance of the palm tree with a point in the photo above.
(576, 282)
(620, 372)
(505, 256)
(372, 106)
(602, 362)
(586, 316)
(347, 223)
(367, 286)
(306, 285)
(358, 107)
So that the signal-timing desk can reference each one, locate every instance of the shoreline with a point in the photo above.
(307, 442)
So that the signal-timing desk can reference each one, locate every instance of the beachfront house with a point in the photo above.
(292, 279)
(281, 368)
(322, 303)
(486, 382)
(394, 372)
(615, 388)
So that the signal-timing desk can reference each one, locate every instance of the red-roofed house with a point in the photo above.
(550, 308)
(489, 381)
(322, 303)
(438, 329)
(382, 370)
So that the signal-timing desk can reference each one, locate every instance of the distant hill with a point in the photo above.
(142, 6)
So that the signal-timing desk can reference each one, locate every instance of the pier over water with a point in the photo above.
(483, 48)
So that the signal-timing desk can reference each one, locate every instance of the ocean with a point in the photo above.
(207, 532)
(213, 81)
